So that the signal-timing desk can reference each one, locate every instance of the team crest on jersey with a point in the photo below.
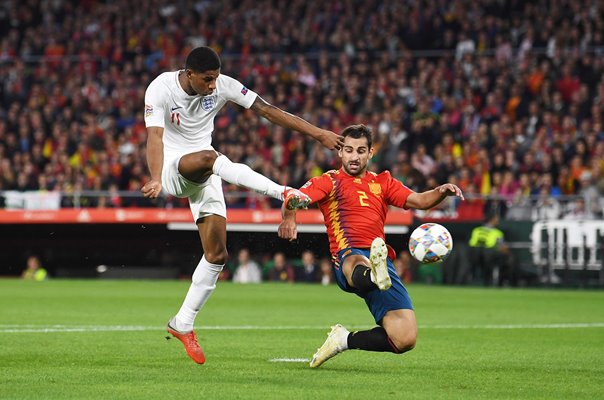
(148, 110)
(375, 188)
(208, 103)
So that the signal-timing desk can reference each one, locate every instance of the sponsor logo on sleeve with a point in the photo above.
(307, 184)
(244, 90)
(148, 110)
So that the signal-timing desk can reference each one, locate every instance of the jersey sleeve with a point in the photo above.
(235, 91)
(317, 188)
(397, 193)
(154, 105)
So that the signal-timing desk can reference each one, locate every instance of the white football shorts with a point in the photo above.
(204, 198)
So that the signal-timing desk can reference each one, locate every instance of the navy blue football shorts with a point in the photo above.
(379, 302)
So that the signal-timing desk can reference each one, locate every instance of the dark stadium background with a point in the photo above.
(504, 98)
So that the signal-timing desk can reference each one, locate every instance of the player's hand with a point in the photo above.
(288, 230)
(152, 189)
(450, 189)
(331, 140)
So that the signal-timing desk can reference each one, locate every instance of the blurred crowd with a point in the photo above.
(276, 267)
(504, 98)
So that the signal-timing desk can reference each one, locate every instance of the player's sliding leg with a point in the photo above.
(401, 328)
(375, 339)
(340, 339)
(391, 308)
(337, 342)
(397, 335)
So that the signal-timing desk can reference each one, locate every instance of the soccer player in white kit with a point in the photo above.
(180, 107)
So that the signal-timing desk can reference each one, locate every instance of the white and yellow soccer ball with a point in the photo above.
(430, 243)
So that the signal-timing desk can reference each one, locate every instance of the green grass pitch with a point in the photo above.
(75, 339)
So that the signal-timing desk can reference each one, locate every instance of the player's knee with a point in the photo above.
(403, 341)
(218, 256)
(206, 159)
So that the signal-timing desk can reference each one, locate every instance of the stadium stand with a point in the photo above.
(470, 91)
(485, 94)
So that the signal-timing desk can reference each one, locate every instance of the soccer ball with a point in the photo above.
(430, 243)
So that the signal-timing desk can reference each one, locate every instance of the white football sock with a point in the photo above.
(202, 286)
(242, 175)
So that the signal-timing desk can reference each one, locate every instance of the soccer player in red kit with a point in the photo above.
(354, 203)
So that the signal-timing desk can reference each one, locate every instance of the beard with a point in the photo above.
(354, 169)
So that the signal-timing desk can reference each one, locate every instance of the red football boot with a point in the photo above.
(189, 340)
(295, 199)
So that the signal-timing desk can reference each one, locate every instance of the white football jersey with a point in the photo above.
(188, 121)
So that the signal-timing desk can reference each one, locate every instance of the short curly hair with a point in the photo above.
(359, 131)
(202, 59)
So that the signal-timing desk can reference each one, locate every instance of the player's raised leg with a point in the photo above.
(212, 231)
(197, 166)
(367, 274)
(378, 261)
(295, 199)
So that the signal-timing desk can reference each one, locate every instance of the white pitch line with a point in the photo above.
(290, 360)
(116, 328)
(520, 326)
(58, 328)
(29, 328)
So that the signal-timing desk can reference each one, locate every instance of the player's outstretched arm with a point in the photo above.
(431, 198)
(155, 160)
(277, 116)
(288, 227)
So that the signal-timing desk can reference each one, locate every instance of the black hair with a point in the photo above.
(202, 59)
(359, 131)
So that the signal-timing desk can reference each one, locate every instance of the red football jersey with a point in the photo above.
(355, 209)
